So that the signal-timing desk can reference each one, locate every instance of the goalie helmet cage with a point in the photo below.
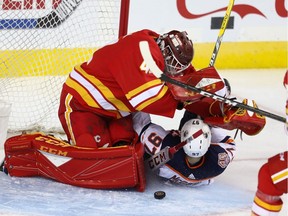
(41, 41)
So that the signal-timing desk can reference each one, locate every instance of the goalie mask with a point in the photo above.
(177, 50)
(198, 136)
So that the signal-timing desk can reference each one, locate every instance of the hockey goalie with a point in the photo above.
(43, 155)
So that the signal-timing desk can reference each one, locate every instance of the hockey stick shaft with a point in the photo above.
(146, 54)
(162, 157)
(223, 99)
(221, 33)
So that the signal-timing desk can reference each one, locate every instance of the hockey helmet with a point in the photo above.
(177, 50)
(198, 137)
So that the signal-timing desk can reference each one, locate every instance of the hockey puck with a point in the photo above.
(159, 194)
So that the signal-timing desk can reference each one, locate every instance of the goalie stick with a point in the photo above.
(146, 54)
(221, 32)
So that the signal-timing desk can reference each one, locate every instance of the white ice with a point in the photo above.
(231, 194)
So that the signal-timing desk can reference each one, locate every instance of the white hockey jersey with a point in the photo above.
(178, 170)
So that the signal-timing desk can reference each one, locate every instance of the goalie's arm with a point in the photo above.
(145, 51)
(224, 100)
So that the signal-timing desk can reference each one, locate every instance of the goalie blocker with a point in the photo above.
(100, 168)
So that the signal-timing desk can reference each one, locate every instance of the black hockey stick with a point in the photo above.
(52, 20)
(146, 54)
(223, 99)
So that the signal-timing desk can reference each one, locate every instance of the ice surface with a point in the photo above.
(230, 195)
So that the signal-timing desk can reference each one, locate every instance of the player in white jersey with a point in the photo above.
(199, 161)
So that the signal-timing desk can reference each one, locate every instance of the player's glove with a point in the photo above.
(237, 118)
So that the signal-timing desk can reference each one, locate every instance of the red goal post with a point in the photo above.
(40, 43)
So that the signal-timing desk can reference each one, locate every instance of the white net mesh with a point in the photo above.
(40, 43)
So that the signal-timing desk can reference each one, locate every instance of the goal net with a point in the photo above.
(40, 43)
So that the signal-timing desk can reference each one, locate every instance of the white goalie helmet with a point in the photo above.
(198, 136)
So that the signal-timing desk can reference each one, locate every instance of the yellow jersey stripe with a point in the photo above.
(267, 206)
(146, 103)
(67, 113)
(83, 92)
(280, 176)
(142, 88)
(100, 92)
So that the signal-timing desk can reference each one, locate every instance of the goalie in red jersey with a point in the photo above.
(272, 179)
(99, 95)
(97, 105)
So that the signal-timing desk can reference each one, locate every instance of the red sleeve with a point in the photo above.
(166, 106)
(144, 91)
(122, 71)
(285, 81)
(277, 166)
(202, 107)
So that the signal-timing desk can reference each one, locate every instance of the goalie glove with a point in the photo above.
(238, 118)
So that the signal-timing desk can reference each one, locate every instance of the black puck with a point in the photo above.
(159, 194)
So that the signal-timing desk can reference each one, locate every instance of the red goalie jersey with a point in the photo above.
(116, 82)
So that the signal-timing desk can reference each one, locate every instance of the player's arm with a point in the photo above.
(207, 79)
(153, 136)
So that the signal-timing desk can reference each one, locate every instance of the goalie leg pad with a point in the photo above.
(20, 158)
(103, 168)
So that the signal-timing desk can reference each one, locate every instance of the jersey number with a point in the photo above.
(155, 140)
(143, 67)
